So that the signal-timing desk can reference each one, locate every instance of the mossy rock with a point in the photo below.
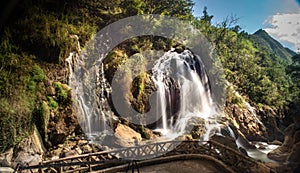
(63, 93)
(145, 132)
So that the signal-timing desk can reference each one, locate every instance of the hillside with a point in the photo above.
(264, 40)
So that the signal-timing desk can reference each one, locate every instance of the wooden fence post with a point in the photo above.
(90, 161)
(40, 168)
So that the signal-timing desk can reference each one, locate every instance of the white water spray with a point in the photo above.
(186, 73)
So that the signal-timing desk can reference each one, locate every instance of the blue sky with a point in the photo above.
(280, 18)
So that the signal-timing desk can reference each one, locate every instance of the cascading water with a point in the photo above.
(90, 105)
(186, 72)
(183, 95)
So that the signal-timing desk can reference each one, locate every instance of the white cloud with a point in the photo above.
(285, 27)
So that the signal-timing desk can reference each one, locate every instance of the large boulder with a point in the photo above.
(126, 133)
(225, 140)
(29, 151)
(281, 153)
(289, 151)
(124, 136)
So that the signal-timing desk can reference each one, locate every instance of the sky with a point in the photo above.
(280, 18)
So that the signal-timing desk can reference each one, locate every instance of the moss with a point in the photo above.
(141, 81)
(42, 117)
(145, 133)
(52, 103)
(45, 115)
(62, 92)
(38, 74)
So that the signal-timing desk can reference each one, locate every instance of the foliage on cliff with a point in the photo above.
(258, 73)
(38, 32)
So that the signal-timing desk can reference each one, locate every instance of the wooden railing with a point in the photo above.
(104, 159)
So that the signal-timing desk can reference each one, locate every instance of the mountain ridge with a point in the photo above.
(264, 40)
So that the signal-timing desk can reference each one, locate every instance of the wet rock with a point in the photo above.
(243, 151)
(277, 155)
(295, 153)
(241, 139)
(225, 140)
(184, 138)
(281, 153)
(197, 127)
(289, 150)
(275, 142)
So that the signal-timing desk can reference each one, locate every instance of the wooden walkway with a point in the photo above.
(107, 159)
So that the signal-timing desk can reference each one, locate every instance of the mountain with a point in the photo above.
(263, 39)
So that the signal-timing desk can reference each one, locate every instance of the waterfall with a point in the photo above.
(90, 99)
(183, 95)
(186, 73)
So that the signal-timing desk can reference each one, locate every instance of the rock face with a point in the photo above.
(289, 151)
(246, 122)
(270, 121)
(56, 119)
(260, 124)
(29, 151)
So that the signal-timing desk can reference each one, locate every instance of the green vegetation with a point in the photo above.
(17, 98)
(34, 34)
(43, 119)
(294, 71)
(62, 92)
(263, 39)
(41, 32)
(258, 73)
(52, 103)
(141, 82)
